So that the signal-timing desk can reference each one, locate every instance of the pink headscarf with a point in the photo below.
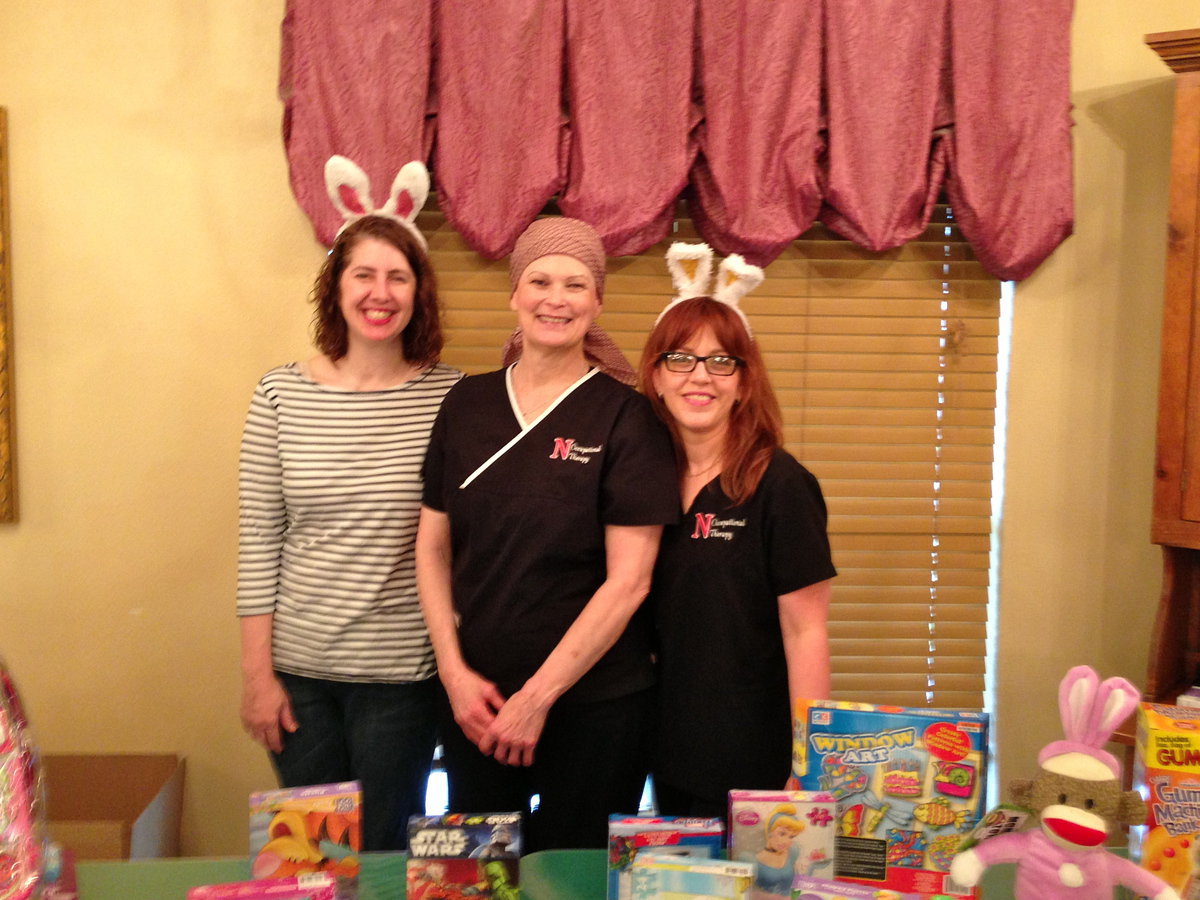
(559, 235)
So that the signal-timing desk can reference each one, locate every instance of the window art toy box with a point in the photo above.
(811, 887)
(910, 784)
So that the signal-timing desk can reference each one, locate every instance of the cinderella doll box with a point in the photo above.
(909, 781)
(782, 833)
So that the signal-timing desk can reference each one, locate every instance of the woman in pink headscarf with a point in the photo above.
(547, 484)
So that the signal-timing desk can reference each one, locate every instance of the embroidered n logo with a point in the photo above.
(562, 448)
(703, 525)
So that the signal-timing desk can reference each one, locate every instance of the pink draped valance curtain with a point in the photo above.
(766, 115)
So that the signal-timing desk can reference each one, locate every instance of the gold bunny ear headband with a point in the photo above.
(691, 268)
(350, 191)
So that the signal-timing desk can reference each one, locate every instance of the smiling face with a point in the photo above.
(780, 838)
(376, 291)
(555, 302)
(700, 403)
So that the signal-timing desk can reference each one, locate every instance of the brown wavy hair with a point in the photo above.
(421, 341)
(755, 423)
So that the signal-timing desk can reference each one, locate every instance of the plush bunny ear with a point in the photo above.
(1092, 710)
(410, 189)
(735, 279)
(349, 190)
(690, 266)
(348, 187)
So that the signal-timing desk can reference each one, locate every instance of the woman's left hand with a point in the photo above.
(515, 731)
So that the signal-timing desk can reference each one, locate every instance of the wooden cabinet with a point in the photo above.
(1175, 652)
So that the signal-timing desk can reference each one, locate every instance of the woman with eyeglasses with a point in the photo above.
(741, 585)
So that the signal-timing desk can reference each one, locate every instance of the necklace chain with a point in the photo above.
(705, 470)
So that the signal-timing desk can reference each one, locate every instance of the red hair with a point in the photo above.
(755, 424)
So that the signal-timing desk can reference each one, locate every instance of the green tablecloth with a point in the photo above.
(549, 875)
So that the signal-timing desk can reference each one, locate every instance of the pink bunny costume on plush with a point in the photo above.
(1065, 859)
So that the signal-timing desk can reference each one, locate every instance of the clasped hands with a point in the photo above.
(506, 729)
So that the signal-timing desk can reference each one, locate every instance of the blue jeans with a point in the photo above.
(382, 735)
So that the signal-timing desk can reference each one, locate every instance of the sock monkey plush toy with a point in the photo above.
(1077, 799)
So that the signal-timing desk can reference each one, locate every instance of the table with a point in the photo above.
(548, 875)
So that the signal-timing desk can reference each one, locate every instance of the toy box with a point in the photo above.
(910, 783)
(784, 833)
(299, 831)
(808, 887)
(1166, 770)
(664, 835)
(656, 876)
(457, 855)
(304, 887)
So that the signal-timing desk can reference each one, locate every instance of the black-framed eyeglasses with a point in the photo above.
(686, 362)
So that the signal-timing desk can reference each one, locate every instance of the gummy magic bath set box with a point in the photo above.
(1166, 771)
(910, 784)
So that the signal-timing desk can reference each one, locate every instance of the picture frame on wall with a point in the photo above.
(8, 476)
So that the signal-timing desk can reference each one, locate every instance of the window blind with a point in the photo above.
(885, 366)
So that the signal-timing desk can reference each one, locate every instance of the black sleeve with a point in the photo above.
(433, 471)
(797, 543)
(641, 485)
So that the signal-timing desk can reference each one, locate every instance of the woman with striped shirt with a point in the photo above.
(339, 681)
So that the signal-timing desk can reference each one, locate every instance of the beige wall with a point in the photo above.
(161, 265)
(1079, 579)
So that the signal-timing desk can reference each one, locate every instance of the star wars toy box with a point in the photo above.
(663, 835)
(782, 833)
(1166, 771)
(305, 830)
(464, 855)
(657, 876)
(910, 784)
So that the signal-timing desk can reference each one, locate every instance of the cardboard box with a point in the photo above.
(680, 836)
(1166, 770)
(909, 784)
(782, 833)
(122, 806)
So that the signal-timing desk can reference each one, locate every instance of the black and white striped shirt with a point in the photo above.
(330, 494)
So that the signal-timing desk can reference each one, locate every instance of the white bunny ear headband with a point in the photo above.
(350, 191)
(1090, 710)
(691, 268)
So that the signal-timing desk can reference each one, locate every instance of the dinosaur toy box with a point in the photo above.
(910, 783)
(305, 830)
(1166, 771)
(318, 886)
